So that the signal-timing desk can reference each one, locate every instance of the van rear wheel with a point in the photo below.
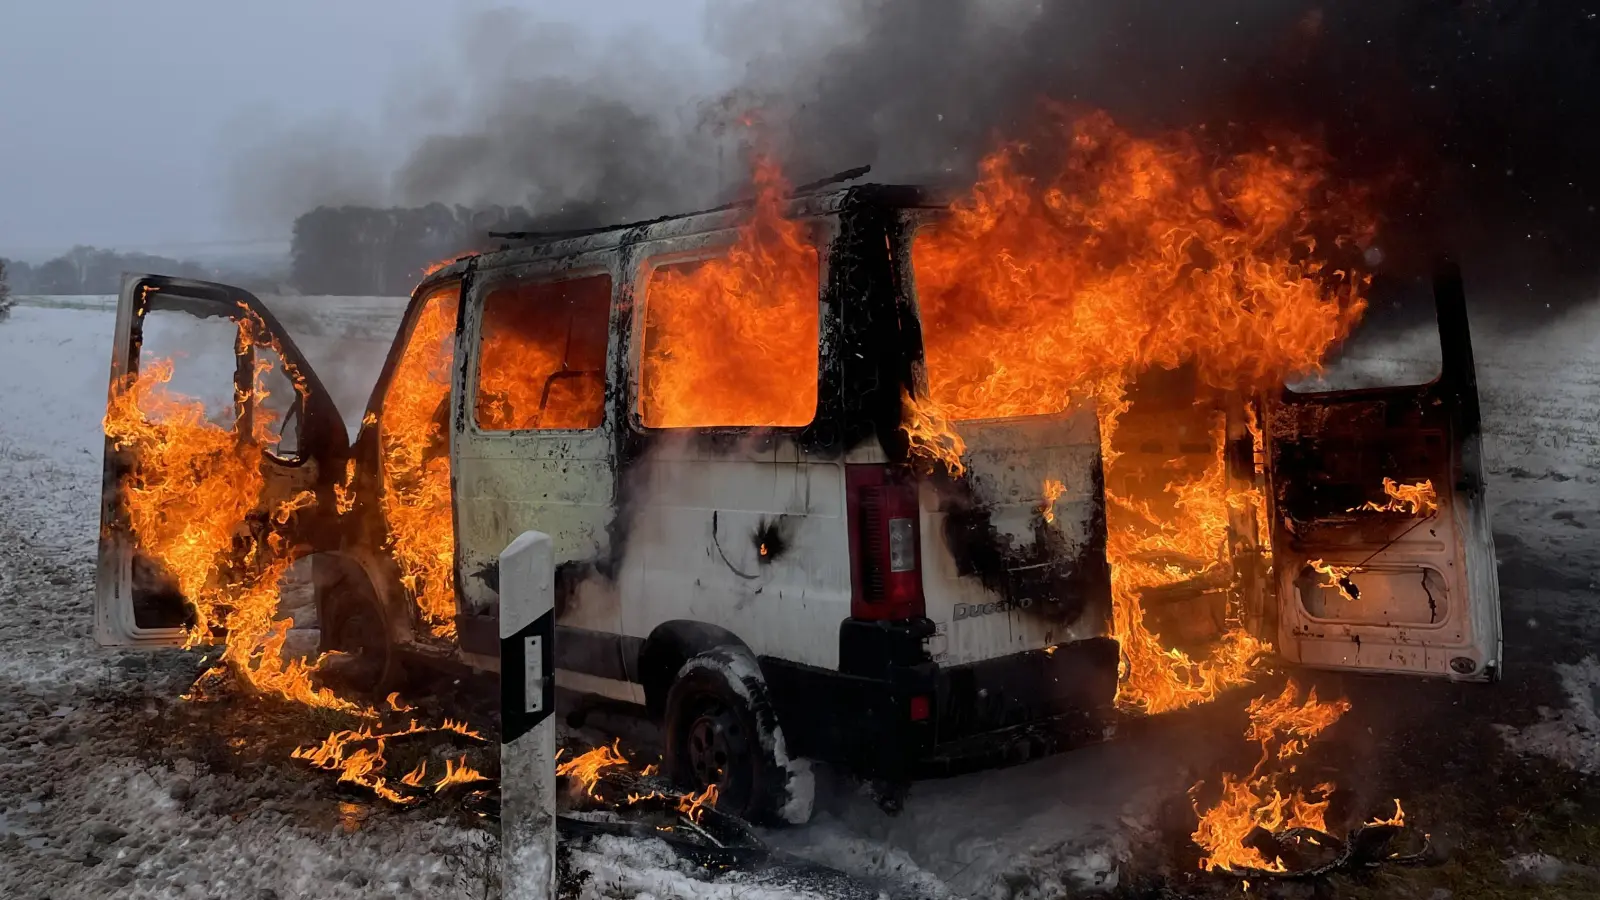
(720, 731)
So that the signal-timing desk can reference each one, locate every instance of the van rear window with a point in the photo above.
(732, 341)
(543, 363)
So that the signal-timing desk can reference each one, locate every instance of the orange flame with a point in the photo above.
(1338, 577)
(733, 340)
(1258, 800)
(931, 434)
(1053, 490)
(543, 361)
(587, 767)
(448, 261)
(458, 772)
(460, 728)
(361, 766)
(693, 805)
(1039, 294)
(394, 703)
(330, 753)
(344, 497)
(187, 497)
(414, 777)
(1398, 819)
(414, 443)
(1149, 548)
(1419, 500)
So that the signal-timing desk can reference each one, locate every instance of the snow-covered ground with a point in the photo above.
(89, 809)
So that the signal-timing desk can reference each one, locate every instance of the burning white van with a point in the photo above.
(774, 534)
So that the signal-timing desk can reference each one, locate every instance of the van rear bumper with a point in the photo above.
(902, 720)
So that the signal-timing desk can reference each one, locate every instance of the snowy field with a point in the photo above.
(91, 807)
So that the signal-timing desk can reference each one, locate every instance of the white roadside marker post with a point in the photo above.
(527, 731)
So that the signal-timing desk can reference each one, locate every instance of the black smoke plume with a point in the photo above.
(1474, 123)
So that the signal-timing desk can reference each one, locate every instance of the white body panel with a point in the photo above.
(1009, 462)
(694, 552)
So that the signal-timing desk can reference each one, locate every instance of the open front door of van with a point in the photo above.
(208, 364)
(1382, 550)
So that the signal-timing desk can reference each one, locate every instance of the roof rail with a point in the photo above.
(801, 191)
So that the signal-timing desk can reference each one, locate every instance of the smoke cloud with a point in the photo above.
(1473, 122)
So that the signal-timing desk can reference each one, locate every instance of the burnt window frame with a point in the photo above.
(241, 317)
(475, 312)
(1434, 382)
(711, 244)
(373, 416)
(296, 409)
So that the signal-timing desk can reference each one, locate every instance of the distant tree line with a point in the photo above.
(343, 251)
(366, 251)
(92, 270)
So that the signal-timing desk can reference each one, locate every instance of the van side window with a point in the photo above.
(731, 342)
(543, 362)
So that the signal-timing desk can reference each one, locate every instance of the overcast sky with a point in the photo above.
(113, 113)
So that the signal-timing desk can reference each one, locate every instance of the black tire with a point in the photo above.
(717, 733)
(353, 624)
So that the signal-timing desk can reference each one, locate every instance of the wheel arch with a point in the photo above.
(342, 576)
(669, 646)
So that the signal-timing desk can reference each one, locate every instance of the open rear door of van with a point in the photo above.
(209, 365)
(1382, 550)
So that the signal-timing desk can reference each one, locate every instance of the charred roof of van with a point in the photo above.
(816, 199)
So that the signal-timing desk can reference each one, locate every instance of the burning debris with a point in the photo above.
(362, 765)
(586, 768)
(457, 772)
(1283, 727)
(1263, 827)
(642, 790)
(1338, 578)
(693, 806)
(343, 492)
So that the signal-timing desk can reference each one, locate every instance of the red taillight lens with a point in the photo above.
(921, 708)
(885, 552)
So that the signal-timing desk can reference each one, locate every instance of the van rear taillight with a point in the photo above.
(885, 552)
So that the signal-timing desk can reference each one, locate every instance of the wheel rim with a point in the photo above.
(710, 745)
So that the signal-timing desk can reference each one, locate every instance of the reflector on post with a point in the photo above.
(528, 734)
